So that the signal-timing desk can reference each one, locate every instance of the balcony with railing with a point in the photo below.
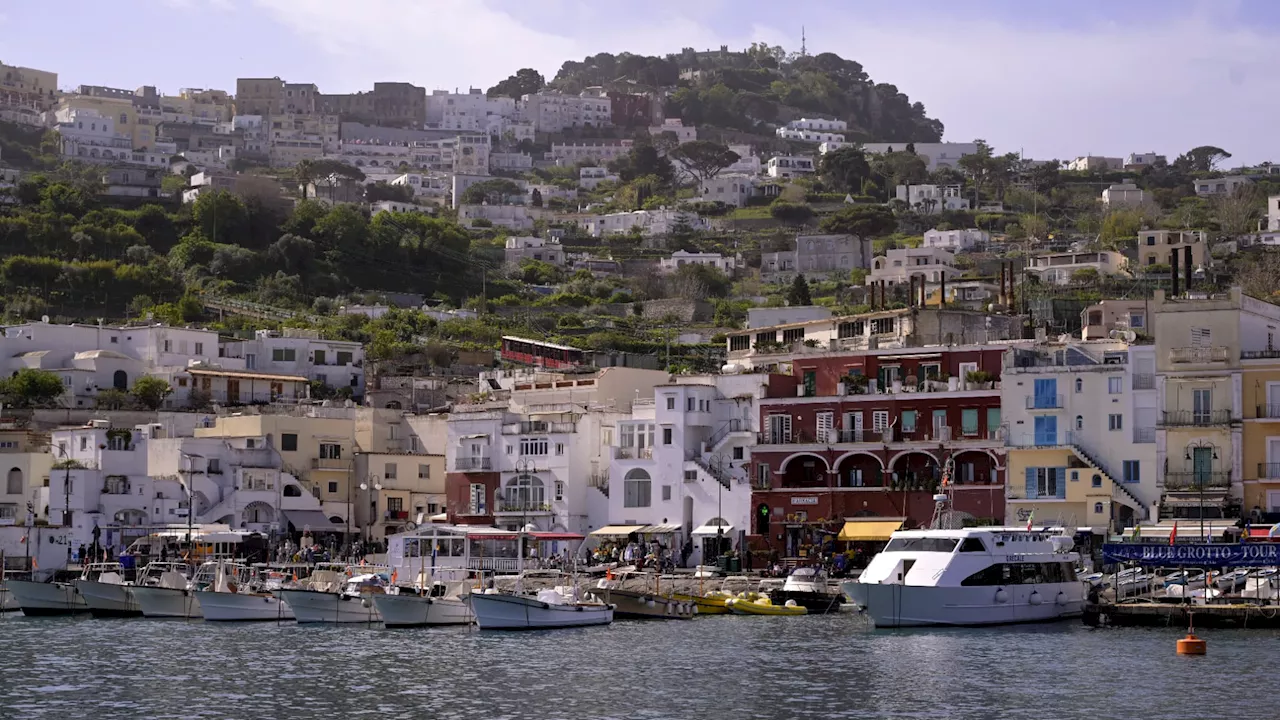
(330, 463)
(633, 453)
(538, 427)
(1269, 471)
(1268, 412)
(395, 515)
(1194, 418)
(1044, 402)
(1199, 355)
(516, 505)
(1144, 381)
(1196, 481)
(1269, 354)
(472, 464)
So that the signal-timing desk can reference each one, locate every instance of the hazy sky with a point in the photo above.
(1055, 79)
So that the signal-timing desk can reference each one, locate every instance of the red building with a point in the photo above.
(870, 434)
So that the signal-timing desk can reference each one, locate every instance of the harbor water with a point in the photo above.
(708, 668)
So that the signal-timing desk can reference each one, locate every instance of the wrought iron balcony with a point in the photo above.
(1189, 418)
(1144, 381)
(1199, 355)
(1195, 481)
(473, 464)
(1044, 402)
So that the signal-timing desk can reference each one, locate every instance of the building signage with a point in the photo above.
(804, 501)
(1216, 555)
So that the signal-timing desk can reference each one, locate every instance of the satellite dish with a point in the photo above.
(410, 526)
(44, 318)
(1130, 336)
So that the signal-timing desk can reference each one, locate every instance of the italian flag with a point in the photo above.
(1030, 519)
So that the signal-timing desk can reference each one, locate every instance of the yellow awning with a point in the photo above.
(615, 530)
(868, 529)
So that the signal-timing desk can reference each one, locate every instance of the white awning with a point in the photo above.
(711, 529)
(662, 529)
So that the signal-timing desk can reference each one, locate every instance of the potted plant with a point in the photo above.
(856, 384)
(980, 379)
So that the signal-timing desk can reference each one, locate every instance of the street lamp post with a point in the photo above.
(373, 505)
(718, 463)
(66, 497)
(191, 504)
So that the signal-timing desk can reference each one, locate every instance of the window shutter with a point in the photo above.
(1031, 483)
(1062, 482)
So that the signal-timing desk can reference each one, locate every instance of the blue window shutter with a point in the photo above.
(1062, 482)
(1031, 483)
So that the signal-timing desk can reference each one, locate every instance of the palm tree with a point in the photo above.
(304, 172)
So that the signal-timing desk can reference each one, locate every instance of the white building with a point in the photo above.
(471, 111)
(812, 136)
(88, 136)
(432, 186)
(684, 133)
(395, 206)
(818, 124)
(934, 155)
(534, 248)
(301, 352)
(512, 217)
(680, 258)
(601, 152)
(833, 145)
(748, 162)
(789, 166)
(552, 112)
(734, 190)
(898, 266)
(1095, 163)
(649, 222)
(680, 463)
(1123, 194)
(932, 199)
(1081, 428)
(1138, 161)
(956, 240)
(1221, 186)
(1060, 268)
(591, 176)
(510, 161)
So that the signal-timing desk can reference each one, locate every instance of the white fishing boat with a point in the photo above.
(329, 596)
(9, 603)
(1188, 579)
(970, 576)
(552, 608)
(236, 596)
(1232, 580)
(103, 587)
(171, 594)
(440, 604)
(1133, 581)
(55, 597)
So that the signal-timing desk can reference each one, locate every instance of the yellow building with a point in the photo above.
(28, 87)
(395, 489)
(25, 461)
(1202, 347)
(1261, 434)
(1059, 487)
(123, 114)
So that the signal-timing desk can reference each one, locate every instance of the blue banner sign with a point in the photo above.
(1219, 555)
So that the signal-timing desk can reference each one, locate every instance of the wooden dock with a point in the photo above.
(1156, 614)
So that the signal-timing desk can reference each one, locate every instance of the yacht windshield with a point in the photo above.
(923, 544)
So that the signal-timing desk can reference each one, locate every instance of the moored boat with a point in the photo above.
(103, 587)
(763, 605)
(712, 603)
(440, 604)
(37, 599)
(170, 594)
(552, 608)
(637, 605)
(234, 596)
(807, 587)
(330, 597)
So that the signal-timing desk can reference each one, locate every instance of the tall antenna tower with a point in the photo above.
(804, 50)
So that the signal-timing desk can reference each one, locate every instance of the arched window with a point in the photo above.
(1079, 422)
(1097, 508)
(120, 380)
(524, 492)
(637, 488)
(1079, 385)
(292, 491)
(14, 484)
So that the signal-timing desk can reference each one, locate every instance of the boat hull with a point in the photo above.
(891, 605)
(242, 607)
(314, 606)
(630, 605)
(407, 610)
(8, 603)
(516, 612)
(108, 600)
(740, 606)
(704, 605)
(816, 603)
(43, 599)
(159, 602)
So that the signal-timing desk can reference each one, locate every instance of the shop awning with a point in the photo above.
(616, 530)
(711, 529)
(869, 530)
(556, 536)
(666, 529)
(311, 520)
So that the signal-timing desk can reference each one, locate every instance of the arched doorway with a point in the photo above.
(120, 380)
(132, 516)
(915, 470)
(292, 490)
(13, 485)
(804, 470)
(257, 513)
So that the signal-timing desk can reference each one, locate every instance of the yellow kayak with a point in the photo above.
(713, 603)
(763, 606)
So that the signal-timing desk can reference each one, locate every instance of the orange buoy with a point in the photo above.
(1192, 645)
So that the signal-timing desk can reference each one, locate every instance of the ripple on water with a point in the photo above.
(709, 668)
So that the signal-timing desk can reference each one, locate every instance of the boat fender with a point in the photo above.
(648, 602)
(364, 602)
(791, 603)
(1002, 596)
(694, 611)
(1035, 598)
(1062, 598)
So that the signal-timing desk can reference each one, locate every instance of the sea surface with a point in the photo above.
(707, 668)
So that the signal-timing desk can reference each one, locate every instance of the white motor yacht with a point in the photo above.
(54, 597)
(435, 604)
(970, 576)
(171, 594)
(103, 587)
(234, 596)
(329, 596)
(552, 608)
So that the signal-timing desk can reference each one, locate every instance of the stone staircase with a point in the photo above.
(726, 432)
(704, 468)
(1128, 497)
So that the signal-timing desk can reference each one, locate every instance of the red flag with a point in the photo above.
(1173, 536)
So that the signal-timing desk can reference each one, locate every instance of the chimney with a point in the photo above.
(1173, 274)
(1186, 259)
(942, 291)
